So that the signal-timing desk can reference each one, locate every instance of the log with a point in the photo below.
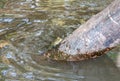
(98, 35)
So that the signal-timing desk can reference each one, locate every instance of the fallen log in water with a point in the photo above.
(98, 35)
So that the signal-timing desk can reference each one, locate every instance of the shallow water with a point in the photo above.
(29, 27)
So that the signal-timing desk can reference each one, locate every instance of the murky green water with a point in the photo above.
(29, 27)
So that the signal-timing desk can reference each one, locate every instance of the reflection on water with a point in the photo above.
(29, 27)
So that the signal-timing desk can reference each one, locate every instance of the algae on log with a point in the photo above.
(98, 34)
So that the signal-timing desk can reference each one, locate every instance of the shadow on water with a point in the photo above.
(29, 27)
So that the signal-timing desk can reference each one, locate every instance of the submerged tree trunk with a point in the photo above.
(98, 34)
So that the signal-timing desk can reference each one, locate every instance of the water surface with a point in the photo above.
(29, 27)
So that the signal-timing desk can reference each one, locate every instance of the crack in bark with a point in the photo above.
(109, 15)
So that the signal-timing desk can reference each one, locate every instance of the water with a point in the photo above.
(29, 27)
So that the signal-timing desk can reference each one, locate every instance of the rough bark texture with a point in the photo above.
(100, 32)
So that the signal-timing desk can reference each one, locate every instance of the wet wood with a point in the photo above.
(101, 32)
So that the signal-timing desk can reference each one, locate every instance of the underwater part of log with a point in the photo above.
(55, 54)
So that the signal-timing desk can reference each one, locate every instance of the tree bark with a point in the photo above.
(98, 34)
